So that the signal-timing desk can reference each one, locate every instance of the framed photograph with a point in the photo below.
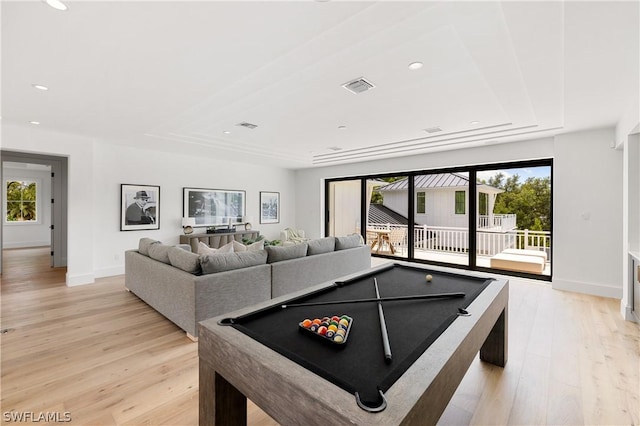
(139, 207)
(212, 207)
(269, 207)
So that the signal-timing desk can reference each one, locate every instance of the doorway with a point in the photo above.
(52, 206)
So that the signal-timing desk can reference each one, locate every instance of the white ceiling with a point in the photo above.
(175, 76)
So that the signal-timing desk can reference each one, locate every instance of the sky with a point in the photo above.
(524, 173)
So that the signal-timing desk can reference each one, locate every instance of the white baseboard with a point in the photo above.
(81, 279)
(109, 272)
(26, 244)
(588, 288)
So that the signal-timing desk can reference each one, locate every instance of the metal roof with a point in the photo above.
(438, 180)
(380, 214)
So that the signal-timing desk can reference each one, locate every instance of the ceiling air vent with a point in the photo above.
(433, 130)
(247, 125)
(358, 85)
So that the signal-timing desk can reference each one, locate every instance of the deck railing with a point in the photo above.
(455, 240)
(503, 222)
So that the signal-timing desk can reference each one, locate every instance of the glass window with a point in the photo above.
(461, 207)
(21, 201)
(420, 203)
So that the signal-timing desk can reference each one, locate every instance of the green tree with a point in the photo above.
(529, 201)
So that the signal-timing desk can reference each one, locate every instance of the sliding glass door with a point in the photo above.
(484, 217)
(514, 219)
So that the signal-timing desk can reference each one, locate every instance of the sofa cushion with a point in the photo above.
(160, 252)
(144, 244)
(184, 259)
(204, 249)
(229, 261)
(277, 254)
(321, 245)
(350, 241)
(238, 247)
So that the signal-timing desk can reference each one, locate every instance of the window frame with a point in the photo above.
(462, 201)
(424, 202)
(37, 201)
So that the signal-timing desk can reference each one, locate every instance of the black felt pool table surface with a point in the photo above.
(358, 365)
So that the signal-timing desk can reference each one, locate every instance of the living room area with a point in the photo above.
(76, 344)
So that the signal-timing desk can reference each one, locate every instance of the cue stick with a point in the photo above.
(383, 326)
(379, 299)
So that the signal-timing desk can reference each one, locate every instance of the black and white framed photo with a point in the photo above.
(211, 207)
(269, 207)
(139, 207)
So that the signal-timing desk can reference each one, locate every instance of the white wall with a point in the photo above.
(587, 176)
(96, 245)
(21, 234)
(116, 165)
(79, 151)
(587, 213)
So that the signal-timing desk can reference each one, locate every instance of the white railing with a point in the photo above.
(503, 222)
(455, 240)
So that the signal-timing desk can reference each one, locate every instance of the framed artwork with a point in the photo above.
(269, 207)
(139, 207)
(211, 207)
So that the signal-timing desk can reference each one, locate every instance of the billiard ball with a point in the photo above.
(306, 323)
(344, 321)
(338, 338)
(316, 321)
(332, 327)
(429, 278)
(330, 333)
(313, 327)
(322, 330)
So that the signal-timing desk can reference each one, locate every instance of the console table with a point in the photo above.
(217, 240)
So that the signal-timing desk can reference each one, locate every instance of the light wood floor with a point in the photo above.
(99, 353)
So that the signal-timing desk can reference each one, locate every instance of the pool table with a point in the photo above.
(263, 353)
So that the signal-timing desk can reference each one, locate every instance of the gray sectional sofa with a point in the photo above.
(171, 279)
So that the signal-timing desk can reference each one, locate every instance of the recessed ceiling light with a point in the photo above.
(227, 132)
(57, 4)
(475, 122)
(35, 123)
(40, 87)
(415, 65)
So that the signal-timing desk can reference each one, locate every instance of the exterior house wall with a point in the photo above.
(440, 206)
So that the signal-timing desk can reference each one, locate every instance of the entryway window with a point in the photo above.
(21, 201)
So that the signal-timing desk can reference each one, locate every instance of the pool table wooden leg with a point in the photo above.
(220, 402)
(495, 347)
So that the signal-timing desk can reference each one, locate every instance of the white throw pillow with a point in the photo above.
(238, 247)
(205, 249)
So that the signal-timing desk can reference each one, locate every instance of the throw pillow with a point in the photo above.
(144, 244)
(321, 245)
(205, 249)
(350, 241)
(277, 254)
(229, 261)
(238, 247)
(160, 252)
(185, 260)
